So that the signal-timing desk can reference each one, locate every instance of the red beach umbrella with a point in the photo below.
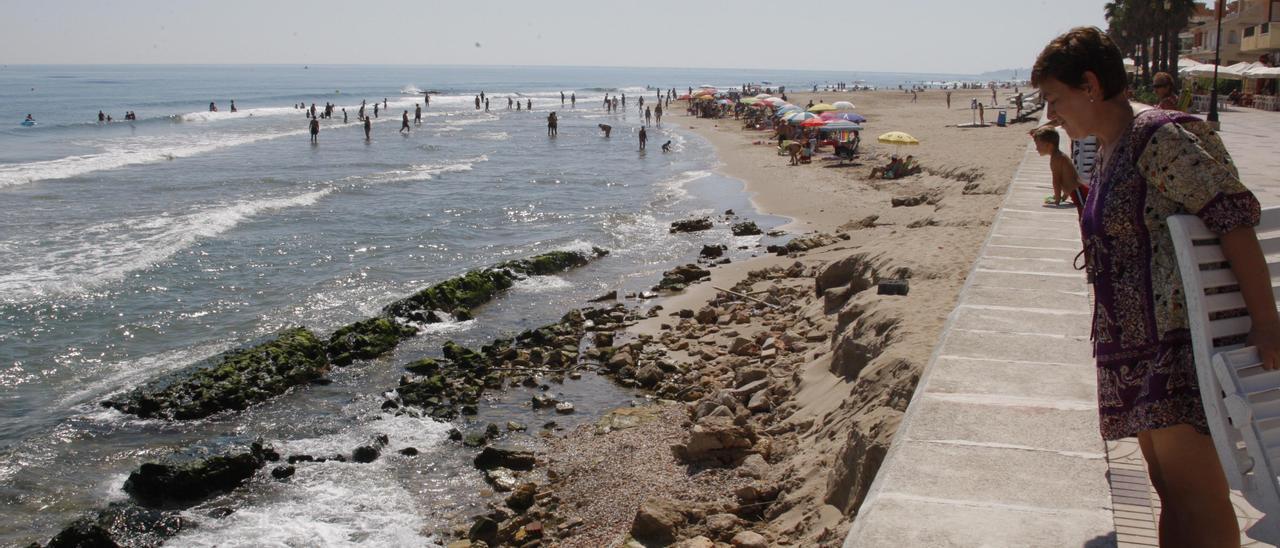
(813, 122)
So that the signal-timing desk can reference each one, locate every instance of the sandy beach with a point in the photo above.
(788, 400)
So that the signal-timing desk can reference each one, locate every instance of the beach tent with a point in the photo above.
(1263, 72)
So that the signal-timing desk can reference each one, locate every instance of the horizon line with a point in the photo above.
(451, 65)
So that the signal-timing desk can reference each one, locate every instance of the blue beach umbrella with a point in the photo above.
(846, 116)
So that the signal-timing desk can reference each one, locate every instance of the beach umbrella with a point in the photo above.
(800, 117)
(706, 86)
(763, 96)
(841, 125)
(897, 138)
(723, 101)
(842, 105)
(813, 122)
(789, 108)
(821, 107)
(846, 116)
(776, 101)
(749, 100)
(684, 97)
(705, 97)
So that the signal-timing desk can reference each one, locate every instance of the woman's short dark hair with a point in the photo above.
(1080, 50)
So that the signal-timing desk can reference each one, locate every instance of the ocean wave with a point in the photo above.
(542, 284)
(422, 172)
(91, 257)
(206, 116)
(673, 189)
(492, 136)
(332, 503)
(132, 153)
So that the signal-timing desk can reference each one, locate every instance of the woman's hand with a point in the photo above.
(1266, 337)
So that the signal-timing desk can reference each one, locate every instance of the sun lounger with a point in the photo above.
(1241, 399)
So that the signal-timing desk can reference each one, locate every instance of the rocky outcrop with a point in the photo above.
(691, 225)
(716, 441)
(120, 524)
(366, 339)
(506, 457)
(234, 381)
(169, 485)
(746, 228)
(680, 277)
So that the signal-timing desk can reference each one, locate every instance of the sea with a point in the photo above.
(134, 249)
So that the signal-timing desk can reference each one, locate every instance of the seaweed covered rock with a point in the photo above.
(691, 225)
(464, 357)
(681, 276)
(745, 228)
(234, 380)
(546, 263)
(366, 339)
(185, 484)
(460, 292)
(120, 523)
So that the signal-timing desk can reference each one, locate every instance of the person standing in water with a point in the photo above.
(344, 115)
(101, 117)
(368, 124)
(648, 116)
(315, 131)
(486, 105)
(213, 107)
(508, 103)
(233, 106)
(552, 122)
(528, 105)
(657, 112)
(562, 98)
(644, 137)
(384, 103)
(573, 99)
(375, 110)
(417, 115)
(404, 122)
(477, 102)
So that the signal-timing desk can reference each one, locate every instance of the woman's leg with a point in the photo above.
(1195, 501)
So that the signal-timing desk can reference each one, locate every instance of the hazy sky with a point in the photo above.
(953, 36)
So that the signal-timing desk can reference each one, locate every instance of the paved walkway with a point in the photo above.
(1000, 444)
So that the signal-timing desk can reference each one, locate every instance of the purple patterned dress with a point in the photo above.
(1167, 163)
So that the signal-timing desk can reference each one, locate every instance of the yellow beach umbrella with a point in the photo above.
(821, 107)
(897, 138)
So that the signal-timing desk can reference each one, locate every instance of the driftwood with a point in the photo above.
(745, 296)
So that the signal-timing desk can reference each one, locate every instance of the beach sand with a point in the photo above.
(805, 395)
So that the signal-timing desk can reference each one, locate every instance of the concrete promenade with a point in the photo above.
(1000, 445)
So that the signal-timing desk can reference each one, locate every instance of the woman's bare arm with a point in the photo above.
(1240, 246)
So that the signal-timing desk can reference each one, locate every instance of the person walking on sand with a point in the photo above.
(948, 100)
(315, 131)
(368, 125)
(1158, 163)
(644, 137)
(417, 115)
(551, 125)
(982, 119)
(404, 122)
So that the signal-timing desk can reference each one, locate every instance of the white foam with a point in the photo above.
(673, 189)
(493, 136)
(131, 153)
(451, 326)
(105, 253)
(206, 116)
(421, 172)
(332, 503)
(542, 284)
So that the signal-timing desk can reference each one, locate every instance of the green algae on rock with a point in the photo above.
(366, 339)
(234, 381)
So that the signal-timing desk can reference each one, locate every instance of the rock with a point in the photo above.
(749, 539)
(460, 544)
(682, 276)
(522, 497)
(484, 529)
(759, 402)
(754, 467)
(543, 400)
(721, 525)
(695, 542)
(502, 479)
(909, 201)
(710, 251)
(182, 485)
(610, 296)
(424, 366)
(83, 533)
(649, 375)
(620, 360)
(691, 225)
(657, 522)
(283, 471)
(746, 228)
(234, 381)
(455, 434)
(365, 454)
(745, 376)
(707, 315)
(366, 339)
(504, 456)
(892, 287)
(513, 426)
(743, 346)
(475, 439)
(564, 408)
(604, 338)
(409, 451)
(716, 440)
(855, 272)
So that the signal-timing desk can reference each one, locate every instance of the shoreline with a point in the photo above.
(811, 391)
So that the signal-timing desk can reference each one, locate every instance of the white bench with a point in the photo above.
(1241, 399)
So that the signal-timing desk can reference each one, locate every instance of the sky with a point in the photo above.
(937, 36)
